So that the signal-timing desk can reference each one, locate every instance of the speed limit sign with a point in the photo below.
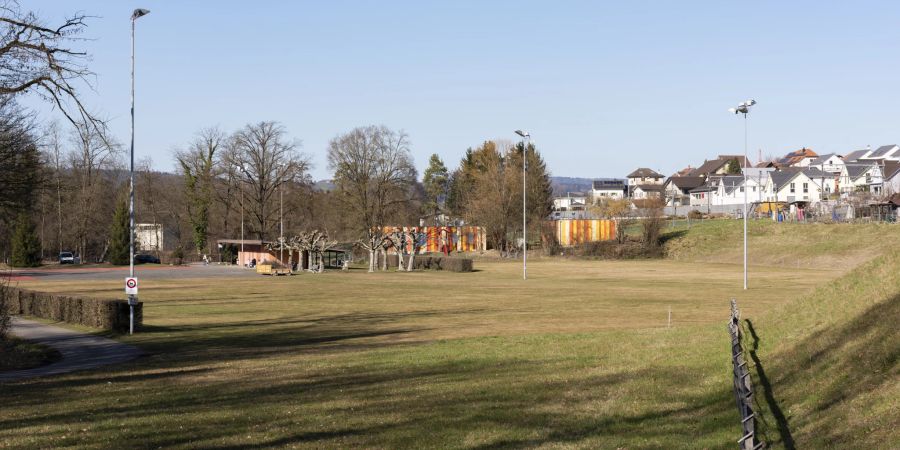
(131, 286)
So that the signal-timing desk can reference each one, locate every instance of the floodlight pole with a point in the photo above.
(132, 299)
(744, 171)
(526, 139)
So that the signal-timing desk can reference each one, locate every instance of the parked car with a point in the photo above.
(66, 258)
(145, 259)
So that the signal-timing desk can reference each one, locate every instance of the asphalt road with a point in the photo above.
(80, 351)
(143, 272)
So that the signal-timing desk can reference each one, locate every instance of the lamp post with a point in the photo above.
(526, 139)
(132, 299)
(744, 108)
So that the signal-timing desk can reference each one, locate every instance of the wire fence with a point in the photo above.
(743, 385)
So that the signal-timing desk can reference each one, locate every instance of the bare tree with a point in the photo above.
(267, 162)
(38, 58)
(375, 176)
(198, 167)
(91, 157)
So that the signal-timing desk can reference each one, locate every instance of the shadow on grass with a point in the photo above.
(781, 421)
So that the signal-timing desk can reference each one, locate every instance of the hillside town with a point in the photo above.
(801, 185)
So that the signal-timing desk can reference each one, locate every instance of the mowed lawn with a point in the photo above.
(579, 355)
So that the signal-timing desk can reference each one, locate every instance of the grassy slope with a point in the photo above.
(827, 365)
(225, 372)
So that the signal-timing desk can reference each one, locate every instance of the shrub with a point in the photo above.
(93, 312)
(26, 248)
(455, 264)
(695, 215)
(178, 256)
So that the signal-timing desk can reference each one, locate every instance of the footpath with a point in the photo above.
(80, 351)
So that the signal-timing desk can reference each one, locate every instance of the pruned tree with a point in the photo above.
(415, 238)
(375, 177)
(39, 58)
(267, 161)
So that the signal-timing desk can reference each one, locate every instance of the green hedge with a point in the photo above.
(93, 312)
(425, 262)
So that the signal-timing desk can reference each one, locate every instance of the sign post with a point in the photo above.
(131, 290)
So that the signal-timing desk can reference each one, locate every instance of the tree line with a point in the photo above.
(64, 184)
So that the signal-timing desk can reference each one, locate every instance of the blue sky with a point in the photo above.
(604, 87)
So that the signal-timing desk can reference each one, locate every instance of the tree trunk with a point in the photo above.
(371, 260)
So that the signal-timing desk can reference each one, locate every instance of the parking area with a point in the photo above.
(147, 272)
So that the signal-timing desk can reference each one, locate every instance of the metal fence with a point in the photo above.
(743, 385)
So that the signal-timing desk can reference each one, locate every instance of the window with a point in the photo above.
(805, 188)
(793, 188)
(754, 188)
(742, 189)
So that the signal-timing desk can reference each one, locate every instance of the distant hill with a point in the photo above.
(323, 185)
(562, 185)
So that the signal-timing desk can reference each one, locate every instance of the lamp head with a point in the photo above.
(140, 12)
(524, 134)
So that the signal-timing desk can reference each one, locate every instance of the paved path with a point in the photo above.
(79, 351)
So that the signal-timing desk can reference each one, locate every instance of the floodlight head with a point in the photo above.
(750, 102)
(140, 12)
(524, 134)
(733, 110)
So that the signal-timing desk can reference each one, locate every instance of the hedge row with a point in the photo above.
(92, 312)
(424, 262)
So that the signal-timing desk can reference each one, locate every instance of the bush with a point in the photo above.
(26, 248)
(426, 262)
(695, 215)
(93, 312)
(178, 256)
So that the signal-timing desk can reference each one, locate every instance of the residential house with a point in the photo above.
(570, 206)
(647, 191)
(883, 153)
(729, 191)
(794, 186)
(891, 178)
(718, 166)
(860, 177)
(757, 182)
(677, 189)
(798, 158)
(648, 178)
(703, 195)
(831, 163)
(608, 188)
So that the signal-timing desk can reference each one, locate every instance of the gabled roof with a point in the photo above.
(855, 171)
(891, 169)
(882, 151)
(855, 155)
(796, 156)
(783, 177)
(644, 172)
(731, 182)
(650, 187)
(685, 182)
(822, 158)
(711, 166)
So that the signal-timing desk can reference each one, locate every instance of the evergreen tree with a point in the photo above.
(26, 248)
(733, 167)
(436, 181)
(119, 251)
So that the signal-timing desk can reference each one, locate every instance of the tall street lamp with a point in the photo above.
(744, 108)
(526, 139)
(132, 299)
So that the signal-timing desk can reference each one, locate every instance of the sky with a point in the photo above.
(603, 87)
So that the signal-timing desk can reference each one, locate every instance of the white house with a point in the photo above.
(677, 189)
(570, 206)
(863, 176)
(832, 163)
(149, 236)
(790, 186)
(608, 188)
(647, 191)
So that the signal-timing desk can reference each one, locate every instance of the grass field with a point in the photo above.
(579, 356)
